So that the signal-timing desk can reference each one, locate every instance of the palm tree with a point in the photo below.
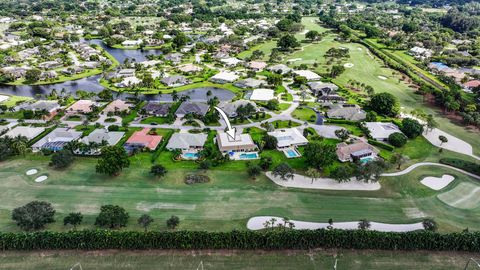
(364, 224)
(313, 173)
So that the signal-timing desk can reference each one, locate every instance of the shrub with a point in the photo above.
(397, 139)
(34, 215)
(381, 145)
(468, 166)
(411, 127)
(270, 239)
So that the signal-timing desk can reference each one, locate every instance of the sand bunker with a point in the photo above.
(41, 178)
(257, 223)
(348, 65)
(437, 183)
(360, 49)
(382, 77)
(31, 172)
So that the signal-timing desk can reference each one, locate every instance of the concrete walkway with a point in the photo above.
(301, 181)
(414, 166)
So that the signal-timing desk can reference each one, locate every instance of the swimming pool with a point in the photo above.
(366, 160)
(189, 155)
(291, 153)
(249, 156)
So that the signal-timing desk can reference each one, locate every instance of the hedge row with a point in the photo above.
(385, 146)
(273, 240)
(468, 166)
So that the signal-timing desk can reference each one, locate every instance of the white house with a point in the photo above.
(100, 136)
(186, 141)
(57, 139)
(288, 139)
(242, 143)
(262, 94)
(132, 43)
(25, 131)
(231, 61)
(224, 77)
(380, 130)
(309, 75)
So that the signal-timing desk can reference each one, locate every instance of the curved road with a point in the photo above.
(414, 166)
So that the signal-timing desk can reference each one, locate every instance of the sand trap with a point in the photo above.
(348, 65)
(382, 77)
(464, 196)
(300, 181)
(437, 183)
(31, 172)
(257, 223)
(360, 49)
(41, 178)
(3, 98)
(454, 144)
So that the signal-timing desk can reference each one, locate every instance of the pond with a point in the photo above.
(121, 54)
(92, 83)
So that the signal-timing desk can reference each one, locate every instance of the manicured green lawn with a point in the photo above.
(284, 124)
(305, 114)
(154, 119)
(235, 259)
(13, 100)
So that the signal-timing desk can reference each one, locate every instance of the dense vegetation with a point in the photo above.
(282, 239)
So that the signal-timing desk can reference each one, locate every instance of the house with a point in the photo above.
(174, 81)
(187, 141)
(141, 140)
(359, 150)
(380, 130)
(231, 61)
(117, 105)
(196, 108)
(280, 69)
(15, 72)
(50, 65)
(128, 82)
(468, 86)
(49, 74)
(50, 106)
(57, 139)
(132, 43)
(322, 89)
(24, 131)
(82, 106)
(189, 68)
(288, 138)
(439, 67)
(256, 65)
(350, 112)
(174, 57)
(230, 108)
(241, 143)
(420, 53)
(127, 72)
(224, 77)
(157, 109)
(262, 94)
(101, 137)
(250, 83)
(309, 75)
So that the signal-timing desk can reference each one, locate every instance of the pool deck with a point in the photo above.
(237, 156)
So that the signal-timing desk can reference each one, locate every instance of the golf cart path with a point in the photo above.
(301, 181)
(257, 223)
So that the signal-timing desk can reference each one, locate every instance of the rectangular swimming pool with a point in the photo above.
(249, 156)
(291, 153)
(189, 155)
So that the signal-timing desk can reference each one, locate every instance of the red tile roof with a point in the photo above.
(142, 137)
